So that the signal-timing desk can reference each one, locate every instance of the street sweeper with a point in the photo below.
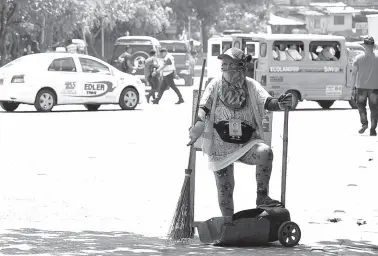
(230, 122)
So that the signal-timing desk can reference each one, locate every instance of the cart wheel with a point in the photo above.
(289, 234)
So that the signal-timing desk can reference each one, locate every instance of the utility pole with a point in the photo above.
(102, 39)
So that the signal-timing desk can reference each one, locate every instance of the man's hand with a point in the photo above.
(195, 132)
(285, 101)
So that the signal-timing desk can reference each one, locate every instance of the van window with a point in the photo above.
(237, 44)
(288, 50)
(226, 46)
(215, 50)
(175, 47)
(324, 51)
(251, 49)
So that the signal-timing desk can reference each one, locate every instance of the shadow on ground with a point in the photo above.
(346, 247)
(33, 241)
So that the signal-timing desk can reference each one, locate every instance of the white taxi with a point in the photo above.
(49, 79)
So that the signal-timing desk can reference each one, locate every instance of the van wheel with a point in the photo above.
(296, 98)
(92, 107)
(45, 100)
(9, 106)
(326, 104)
(353, 104)
(129, 99)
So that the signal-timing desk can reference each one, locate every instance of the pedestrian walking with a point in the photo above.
(125, 59)
(366, 86)
(169, 74)
(152, 77)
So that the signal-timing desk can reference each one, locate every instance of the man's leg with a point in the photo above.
(152, 92)
(261, 155)
(174, 88)
(225, 184)
(362, 95)
(373, 105)
(163, 85)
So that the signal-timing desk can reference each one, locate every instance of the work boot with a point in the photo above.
(264, 200)
(373, 132)
(181, 100)
(155, 101)
(363, 129)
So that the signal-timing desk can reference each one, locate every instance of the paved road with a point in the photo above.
(74, 182)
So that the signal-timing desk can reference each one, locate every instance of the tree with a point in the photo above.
(7, 11)
(243, 15)
(206, 12)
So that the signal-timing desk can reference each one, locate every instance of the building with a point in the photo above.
(282, 25)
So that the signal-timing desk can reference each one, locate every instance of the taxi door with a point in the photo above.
(98, 82)
(63, 77)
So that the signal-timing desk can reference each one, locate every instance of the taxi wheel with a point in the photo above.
(45, 100)
(9, 106)
(92, 107)
(129, 99)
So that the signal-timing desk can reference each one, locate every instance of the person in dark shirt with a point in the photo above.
(125, 59)
(151, 75)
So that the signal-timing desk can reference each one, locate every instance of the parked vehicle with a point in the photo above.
(49, 79)
(215, 46)
(311, 67)
(141, 46)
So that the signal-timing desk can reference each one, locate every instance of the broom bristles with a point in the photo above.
(181, 228)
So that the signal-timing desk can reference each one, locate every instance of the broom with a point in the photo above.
(181, 226)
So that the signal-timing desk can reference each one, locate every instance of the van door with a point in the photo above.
(213, 63)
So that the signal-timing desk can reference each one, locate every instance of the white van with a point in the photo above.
(219, 44)
(215, 46)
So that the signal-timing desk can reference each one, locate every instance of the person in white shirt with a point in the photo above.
(279, 53)
(327, 54)
(168, 71)
(71, 47)
(292, 53)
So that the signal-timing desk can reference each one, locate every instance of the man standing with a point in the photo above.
(71, 47)
(152, 77)
(232, 108)
(125, 59)
(169, 72)
(366, 85)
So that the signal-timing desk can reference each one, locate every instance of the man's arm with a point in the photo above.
(355, 69)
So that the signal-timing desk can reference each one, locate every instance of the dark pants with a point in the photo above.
(363, 95)
(166, 83)
(154, 82)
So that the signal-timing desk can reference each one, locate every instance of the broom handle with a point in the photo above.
(197, 109)
(284, 156)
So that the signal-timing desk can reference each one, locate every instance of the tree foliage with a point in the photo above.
(51, 21)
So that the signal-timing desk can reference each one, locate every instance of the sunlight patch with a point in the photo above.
(21, 247)
(126, 249)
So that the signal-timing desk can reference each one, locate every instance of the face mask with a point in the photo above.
(233, 72)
